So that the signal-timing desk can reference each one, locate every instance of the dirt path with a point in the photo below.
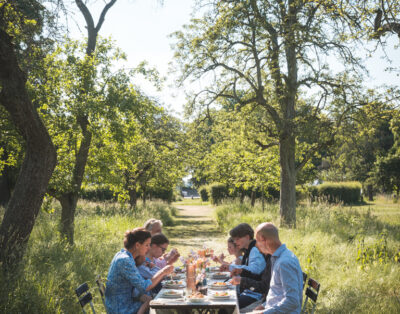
(195, 227)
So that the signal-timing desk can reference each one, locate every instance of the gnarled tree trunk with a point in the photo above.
(37, 167)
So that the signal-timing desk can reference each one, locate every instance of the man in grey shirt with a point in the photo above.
(286, 289)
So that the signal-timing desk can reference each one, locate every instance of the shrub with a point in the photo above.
(203, 191)
(165, 194)
(334, 192)
(218, 192)
(97, 194)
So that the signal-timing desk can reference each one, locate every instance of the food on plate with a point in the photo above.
(174, 282)
(221, 274)
(219, 284)
(171, 292)
(221, 294)
(196, 295)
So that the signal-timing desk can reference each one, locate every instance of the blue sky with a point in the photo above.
(141, 28)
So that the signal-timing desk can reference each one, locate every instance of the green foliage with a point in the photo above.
(97, 194)
(204, 191)
(53, 269)
(334, 192)
(326, 241)
(376, 253)
(218, 192)
(164, 194)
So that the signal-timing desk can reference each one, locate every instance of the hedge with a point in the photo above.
(333, 192)
(204, 193)
(218, 192)
(97, 194)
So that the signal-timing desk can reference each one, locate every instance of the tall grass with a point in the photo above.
(52, 269)
(352, 251)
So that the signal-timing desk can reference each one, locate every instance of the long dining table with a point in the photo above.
(182, 303)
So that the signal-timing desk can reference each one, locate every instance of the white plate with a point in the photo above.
(170, 286)
(216, 287)
(177, 277)
(220, 275)
(168, 294)
(223, 297)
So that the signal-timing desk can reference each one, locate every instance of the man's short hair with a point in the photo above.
(242, 230)
(268, 231)
(148, 225)
(159, 239)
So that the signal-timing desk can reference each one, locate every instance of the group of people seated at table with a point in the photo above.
(267, 274)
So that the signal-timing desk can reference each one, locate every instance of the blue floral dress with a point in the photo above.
(122, 280)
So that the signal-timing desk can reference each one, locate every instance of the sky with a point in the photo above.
(141, 28)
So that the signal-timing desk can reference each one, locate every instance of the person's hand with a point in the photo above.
(236, 271)
(173, 256)
(167, 270)
(259, 308)
(224, 267)
(145, 298)
(151, 265)
(235, 280)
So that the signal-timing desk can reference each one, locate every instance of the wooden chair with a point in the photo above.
(312, 292)
(102, 288)
(84, 297)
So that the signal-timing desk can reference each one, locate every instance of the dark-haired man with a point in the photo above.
(253, 262)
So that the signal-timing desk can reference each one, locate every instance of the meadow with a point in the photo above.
(353, 252)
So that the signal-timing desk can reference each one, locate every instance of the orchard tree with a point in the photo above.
(269, 54)
(21, 25)
(58, 94)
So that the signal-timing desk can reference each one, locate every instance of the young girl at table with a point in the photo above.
(232, 250)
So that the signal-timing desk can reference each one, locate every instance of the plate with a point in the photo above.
(172, 294)
(174, 284)
(220, 285)
(221, 275)
(222, 296)
(177, 277)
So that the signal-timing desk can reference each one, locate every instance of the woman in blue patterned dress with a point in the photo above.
(124, 278)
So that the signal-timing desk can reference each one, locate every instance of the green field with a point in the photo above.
(328, 241)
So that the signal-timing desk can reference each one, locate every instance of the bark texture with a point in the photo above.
(38, 165)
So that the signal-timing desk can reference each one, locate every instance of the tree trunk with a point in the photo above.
(263, 199)
(68, 203)
(370, 192)
(133, 198)
(253, 198)
(5, 188)
(242, 196)
(70, 199)
(288, 181)
(37, 167)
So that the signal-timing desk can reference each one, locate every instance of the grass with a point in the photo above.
(188, 201)
(353, 251)
(52, 269)
(350, 250)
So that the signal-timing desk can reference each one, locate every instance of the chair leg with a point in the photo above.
(91, 305)
(303, 310)
(313, 308)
